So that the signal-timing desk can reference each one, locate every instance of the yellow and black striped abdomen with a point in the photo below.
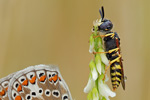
(115, 72)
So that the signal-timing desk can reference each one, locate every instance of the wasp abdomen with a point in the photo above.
(115, 71)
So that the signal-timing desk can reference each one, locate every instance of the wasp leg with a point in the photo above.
(116, 49)
(99, 36)
(117, 59)
(110, 34)
(99, 52)
(106, 71)
(110, 51)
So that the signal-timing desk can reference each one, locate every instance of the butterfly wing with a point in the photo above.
(4, 87)
(40, 82)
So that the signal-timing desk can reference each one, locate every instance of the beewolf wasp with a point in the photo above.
(112, 50)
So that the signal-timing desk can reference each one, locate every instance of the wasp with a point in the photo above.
(112, 50)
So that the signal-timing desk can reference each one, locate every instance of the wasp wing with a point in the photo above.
(122, 77)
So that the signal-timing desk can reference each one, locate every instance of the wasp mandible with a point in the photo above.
(112, 50)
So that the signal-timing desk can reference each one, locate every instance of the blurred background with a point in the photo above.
(57, 32)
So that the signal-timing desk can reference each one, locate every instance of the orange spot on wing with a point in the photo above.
(50, 79)
(6, 88)
(42, 78)
(55, 78)
(25, 82)
(19, 88)
(59, 78)
(2, 93)
(32, 81)
(18, 98)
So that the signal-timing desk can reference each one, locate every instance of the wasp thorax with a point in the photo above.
(105, 26)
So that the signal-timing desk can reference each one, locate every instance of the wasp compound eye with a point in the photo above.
(109, 26)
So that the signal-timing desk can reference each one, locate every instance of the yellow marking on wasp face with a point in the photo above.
(99, 23)
(116, 73)
(116, 78)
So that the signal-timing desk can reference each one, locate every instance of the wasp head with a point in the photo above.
(105, 24)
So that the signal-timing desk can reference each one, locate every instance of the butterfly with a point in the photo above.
(40, 82)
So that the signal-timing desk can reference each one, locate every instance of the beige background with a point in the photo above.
(57, 32)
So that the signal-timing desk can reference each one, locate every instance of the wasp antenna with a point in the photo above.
(102, 11)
